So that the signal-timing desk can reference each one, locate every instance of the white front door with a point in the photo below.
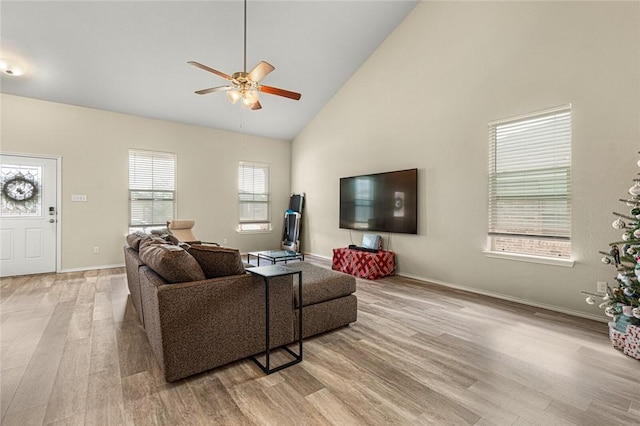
(28, 215)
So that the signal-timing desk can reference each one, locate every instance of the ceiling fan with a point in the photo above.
(245, 86)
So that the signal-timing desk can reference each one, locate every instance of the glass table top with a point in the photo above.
(276, 254)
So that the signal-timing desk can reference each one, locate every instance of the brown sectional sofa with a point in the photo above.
(201, 324)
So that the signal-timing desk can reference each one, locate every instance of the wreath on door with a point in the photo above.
(20, 193)
(20, 189)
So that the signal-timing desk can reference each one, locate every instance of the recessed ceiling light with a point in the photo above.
(11, 67)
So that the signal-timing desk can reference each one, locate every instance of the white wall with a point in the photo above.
(94, 147)
(424, 99)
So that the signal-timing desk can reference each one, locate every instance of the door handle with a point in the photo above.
(52, 220)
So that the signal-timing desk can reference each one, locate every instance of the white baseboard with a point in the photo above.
(329, 258)
(509, 298)
(91, 268)
(494, 295)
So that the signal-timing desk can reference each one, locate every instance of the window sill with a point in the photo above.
(255, 231)
(567, 263)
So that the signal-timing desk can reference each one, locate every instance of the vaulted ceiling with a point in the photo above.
(131, 56)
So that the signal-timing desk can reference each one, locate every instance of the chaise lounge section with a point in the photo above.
(328, 301)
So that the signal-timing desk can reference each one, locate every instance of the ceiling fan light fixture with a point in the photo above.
(233, 96)
(250, 97)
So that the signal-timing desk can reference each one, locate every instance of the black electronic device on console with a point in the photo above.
(355, 247)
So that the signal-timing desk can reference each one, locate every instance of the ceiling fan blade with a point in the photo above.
(260, 71)
(256, 106)
(280, 92)
(206, 68)
(213, 89)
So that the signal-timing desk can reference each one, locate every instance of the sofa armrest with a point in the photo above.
(132, 264)
(195, 326)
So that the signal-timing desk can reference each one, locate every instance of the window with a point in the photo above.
(152, 181)
(253, 197)
(530, 184)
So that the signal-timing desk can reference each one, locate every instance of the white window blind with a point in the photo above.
(530, 184)
(253, 196)
(151, 188)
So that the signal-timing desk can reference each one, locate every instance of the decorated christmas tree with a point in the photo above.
(622, 299)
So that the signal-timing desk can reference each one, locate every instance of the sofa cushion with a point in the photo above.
(321, 284)
(171, 262)
(134, 239)
(217, 261)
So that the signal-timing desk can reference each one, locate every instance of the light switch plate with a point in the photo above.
(78, 197)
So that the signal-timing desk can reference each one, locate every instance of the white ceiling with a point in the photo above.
(131, 56)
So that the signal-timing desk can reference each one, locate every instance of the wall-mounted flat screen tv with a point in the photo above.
(383, 202)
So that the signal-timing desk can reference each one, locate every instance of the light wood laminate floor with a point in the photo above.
(73, 353)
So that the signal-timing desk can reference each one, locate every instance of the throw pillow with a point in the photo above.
(171, 262)
(172, 239)
(161, 232)
(217, 261)
(166, 235)
(150, 239)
